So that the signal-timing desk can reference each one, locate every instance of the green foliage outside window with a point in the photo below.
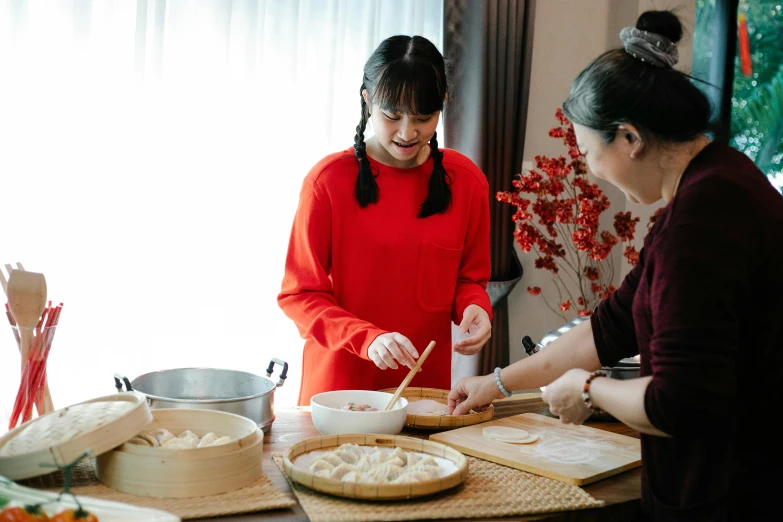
(757, 99)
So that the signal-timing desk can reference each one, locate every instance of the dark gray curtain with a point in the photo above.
(488, 45)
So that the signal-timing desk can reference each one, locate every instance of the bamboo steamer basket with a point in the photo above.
(367, 491)
(44, 444)
(181, 473)
(439, 422)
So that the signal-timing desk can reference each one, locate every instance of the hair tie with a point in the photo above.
(648, 47)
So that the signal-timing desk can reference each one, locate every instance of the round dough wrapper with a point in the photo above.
(529, 440)
(504, 433)
(428, 407)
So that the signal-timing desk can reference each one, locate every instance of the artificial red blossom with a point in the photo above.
(592, 273)
(654, 218)
(631, 255)
(558, 215)
(625, 225)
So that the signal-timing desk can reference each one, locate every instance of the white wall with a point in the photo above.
(568, 35)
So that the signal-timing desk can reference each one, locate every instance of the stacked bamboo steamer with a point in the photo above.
(104, 425)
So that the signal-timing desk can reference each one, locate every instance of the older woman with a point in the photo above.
(702, 307)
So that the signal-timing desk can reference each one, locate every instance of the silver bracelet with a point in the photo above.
(502, 388)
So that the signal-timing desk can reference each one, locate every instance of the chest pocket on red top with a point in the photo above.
(436, 278)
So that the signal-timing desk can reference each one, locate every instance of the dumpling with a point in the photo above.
(396, 461)
(413, 458)
(341, 470)
(320, 463)
(321, 467)
(187, 434)
(225, 439)
(376, 456)
(346, 456)
(390, 471)
(352, 476)
(352, 448)
(207, 440)
(180, 444)
(162, 435)
(376, 476)
(399, 453)
(364, 464)
(431, 471)
(144, 439)
(411, 476)
(426, 461)
(332, 459)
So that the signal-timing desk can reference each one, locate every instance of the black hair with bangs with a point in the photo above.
(406, 75)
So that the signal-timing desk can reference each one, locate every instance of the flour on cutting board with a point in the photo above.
(566, 447)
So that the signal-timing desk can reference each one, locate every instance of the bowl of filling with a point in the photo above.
(357, 411)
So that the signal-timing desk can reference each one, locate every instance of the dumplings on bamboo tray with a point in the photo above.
(163, 438)
(351, 463)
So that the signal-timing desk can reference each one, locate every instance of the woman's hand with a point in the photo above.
(389, 349)
(475, 320)
(473, 393)
(564, 397)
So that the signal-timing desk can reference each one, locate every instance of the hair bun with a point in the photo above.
(664, 23)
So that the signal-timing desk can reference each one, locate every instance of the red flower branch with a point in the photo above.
(557, 217)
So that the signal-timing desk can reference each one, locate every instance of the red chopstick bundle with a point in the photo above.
(32, 385)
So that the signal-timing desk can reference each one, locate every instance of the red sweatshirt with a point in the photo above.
(352, 274)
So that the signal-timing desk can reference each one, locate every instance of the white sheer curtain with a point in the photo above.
(151, 155)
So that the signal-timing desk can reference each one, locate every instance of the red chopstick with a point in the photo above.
(38, 363)
(32, 385)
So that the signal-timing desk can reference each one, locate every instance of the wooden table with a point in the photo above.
(621, 492)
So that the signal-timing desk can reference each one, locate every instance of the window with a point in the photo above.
(756, 86)
(152, 156)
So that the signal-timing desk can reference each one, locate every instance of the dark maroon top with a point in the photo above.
(704, 310)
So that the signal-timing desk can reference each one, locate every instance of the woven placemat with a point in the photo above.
(262, 495)
(491, 490)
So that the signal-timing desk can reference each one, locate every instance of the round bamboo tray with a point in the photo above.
(366, 491)
(439, 422)
(42, 445)
(180, 473)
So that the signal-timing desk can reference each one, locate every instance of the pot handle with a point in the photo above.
(529, 346)
(283, 374)
(119, 379)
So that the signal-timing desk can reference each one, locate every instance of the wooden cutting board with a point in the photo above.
(574, 454)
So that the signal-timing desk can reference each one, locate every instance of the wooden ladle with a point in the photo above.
(27, 301)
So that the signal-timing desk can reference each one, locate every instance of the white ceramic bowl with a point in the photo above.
(329, 419)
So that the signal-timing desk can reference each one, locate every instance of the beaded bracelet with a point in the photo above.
(502, 388)
(586, 391)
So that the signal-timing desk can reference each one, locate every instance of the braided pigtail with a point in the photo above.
(366, 186)
(439, 193)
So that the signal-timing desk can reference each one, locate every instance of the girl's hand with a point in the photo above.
(475, 320)
(389, 349)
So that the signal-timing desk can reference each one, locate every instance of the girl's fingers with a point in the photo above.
(411, 354)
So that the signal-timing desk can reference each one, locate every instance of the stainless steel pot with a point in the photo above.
(243, 393)
(625, 368)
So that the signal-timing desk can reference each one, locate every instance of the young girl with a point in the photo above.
(390, 242)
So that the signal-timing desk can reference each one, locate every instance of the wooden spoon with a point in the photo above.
(408, 378)
(27, 301)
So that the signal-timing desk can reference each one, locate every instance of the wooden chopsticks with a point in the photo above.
(410, 375)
